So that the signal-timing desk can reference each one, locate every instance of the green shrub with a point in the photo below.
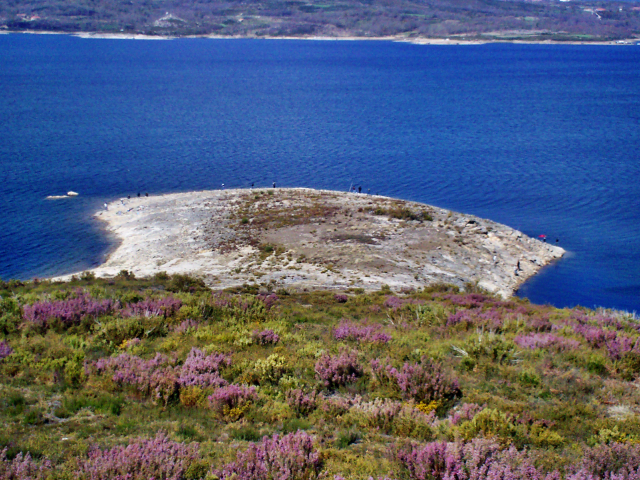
(529, 378)
(295, 424)
(491, 423)
(98, 402)
(597, 364)
(270, 369)
(188, 432)
(197, 470)
(117, 330)
(346, 438)
(247, 433)
(186, 283)
(33, 417)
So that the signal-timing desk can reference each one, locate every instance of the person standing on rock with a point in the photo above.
(274, 184)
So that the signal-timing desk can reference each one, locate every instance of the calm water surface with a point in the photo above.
(542, 138)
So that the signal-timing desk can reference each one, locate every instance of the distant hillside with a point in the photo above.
(472, 19)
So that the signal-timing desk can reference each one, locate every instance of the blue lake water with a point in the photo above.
(542, 138)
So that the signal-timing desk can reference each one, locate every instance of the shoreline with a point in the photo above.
(306, 239)
(452, 41)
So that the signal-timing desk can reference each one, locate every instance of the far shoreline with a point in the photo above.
(394, 38)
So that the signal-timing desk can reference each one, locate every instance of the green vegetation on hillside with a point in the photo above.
(262, 385)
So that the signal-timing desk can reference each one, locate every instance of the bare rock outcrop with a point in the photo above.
(302, 238)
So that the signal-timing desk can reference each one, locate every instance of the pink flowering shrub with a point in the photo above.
(186, 326)
(265, 337)
(478, 459)
(334, 406)
(492, 318)
(337, 370)
(540, 324)
(233, 396)
(465, 412)
(153, 307)
(470, 300)
(269, 300)
(68, 312)
(596, 337)
(157, 377)
(395, 303)
(287, 457)
(23, 467)
(74, 310)
(161, 376)
(423, 382)
(300, 402)
(159, 458)
(203, 370)
(5, 350)
(617, 461)
(360, 333)
(340, 298)
(545, 340)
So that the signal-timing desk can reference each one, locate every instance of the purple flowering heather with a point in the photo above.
(470, 300)
(423, 382)
(340, 298)
(159, 458)
(465, 412)
(540, 324)
(153, 307)
(232, 396)
(338, 370)
(622, 345)
(617, 461)
(70, 312)
(268, 300)
(265, 337)
(546, 340)
(186, 326)
(368, 333)
(5, 350)
(203, 370)
(23, 467)
(287, 457)
(300, 402)
(161, 376)
(492, 318)
(334, 406)
(596, 337)
(479, 459)
(157, 376)
(393, 303)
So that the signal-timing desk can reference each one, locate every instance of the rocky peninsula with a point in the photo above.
(299, 238)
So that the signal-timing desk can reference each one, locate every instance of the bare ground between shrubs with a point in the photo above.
(298, 238)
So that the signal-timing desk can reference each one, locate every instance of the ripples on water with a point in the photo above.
(542, 138)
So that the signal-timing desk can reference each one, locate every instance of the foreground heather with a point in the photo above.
(161, 378)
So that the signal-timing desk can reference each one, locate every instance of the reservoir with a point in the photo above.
(543, 138)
